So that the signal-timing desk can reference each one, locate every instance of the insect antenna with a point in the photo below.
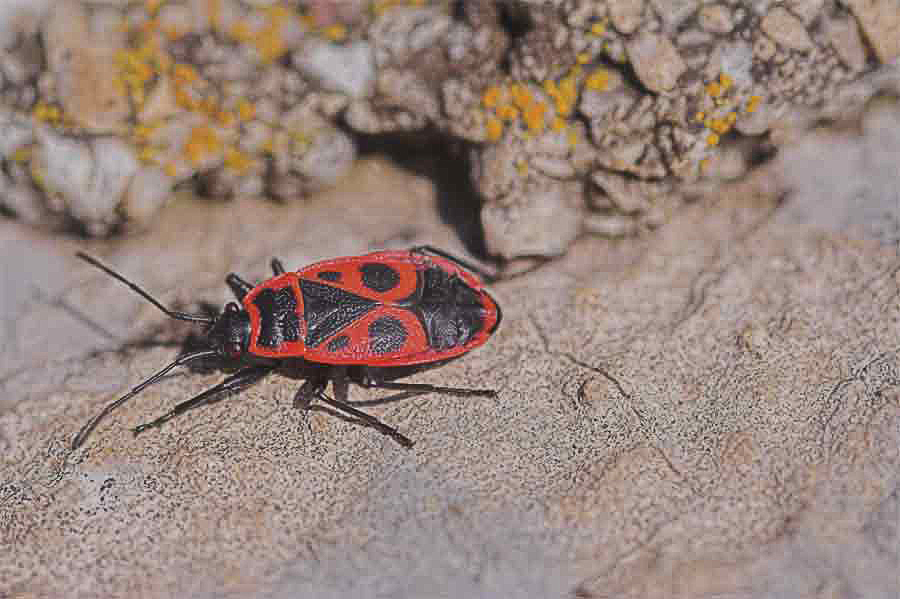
(170, 313)
(92, 423)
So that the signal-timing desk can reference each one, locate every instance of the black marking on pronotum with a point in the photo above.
(379, 277)
(278, 316)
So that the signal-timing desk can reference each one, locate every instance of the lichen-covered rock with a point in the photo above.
(644, 89)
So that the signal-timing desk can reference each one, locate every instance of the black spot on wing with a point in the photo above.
(338, 343)
(329, 309)
(386, 335)
(332, 276)
(278, 320)
(379, 277)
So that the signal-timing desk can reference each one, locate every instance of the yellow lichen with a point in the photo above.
(147, 155)
(720, 125)
(583, 58)
(184, 73)
(336, 32)
(700, 116)
(507, 112)
(753, 103)
(170, 169)
(725, 81)
(533, 115)
(22, 154)
(573, 138)
(598, 80)
(599, 28)
(522, 167)
(241, 32)
(521, 96)
(714, 89)
(493, 129)
(237, 160)
(712, 139)
(558, 124)
(492, 95)
(214, 11)
(46, 113)
(201, 142)
(245, 110)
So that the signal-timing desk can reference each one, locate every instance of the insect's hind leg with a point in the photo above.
(277, 267)
(239, 380)
(368, 379)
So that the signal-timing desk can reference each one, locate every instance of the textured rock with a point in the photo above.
(656, 61)
(786, 29)
(880, 21)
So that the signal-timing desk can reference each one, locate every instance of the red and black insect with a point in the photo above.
(363, 319)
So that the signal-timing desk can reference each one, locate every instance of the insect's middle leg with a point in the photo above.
(239, 380)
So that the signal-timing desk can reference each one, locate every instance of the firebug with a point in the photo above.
(364, 319)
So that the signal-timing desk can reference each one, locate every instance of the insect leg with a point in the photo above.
(367, 419)
(314, 388)
(370, 381)
(235, 382)
(277, 267)
(239, 287)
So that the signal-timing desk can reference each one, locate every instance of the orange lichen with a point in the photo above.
(46, 113)
(725, 81)
(521, 96)
(245, 110)
(507, 112)
(558, 124)
(336, 32)
(533, 116)
(720, 125)
(753, 103)
(714, 89)
(201, 142)
(598, 80)
(241, 32)
(184, 73)
(493, 129)
(237, 160)
(712, 139)
(491, 96)
(599, 28)
(214, 11)
(700, 116)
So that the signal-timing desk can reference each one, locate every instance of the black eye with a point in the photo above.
(233, 349)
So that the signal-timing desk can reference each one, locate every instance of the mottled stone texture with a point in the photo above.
(248, 98)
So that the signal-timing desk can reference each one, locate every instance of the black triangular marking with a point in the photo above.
(329, 309)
